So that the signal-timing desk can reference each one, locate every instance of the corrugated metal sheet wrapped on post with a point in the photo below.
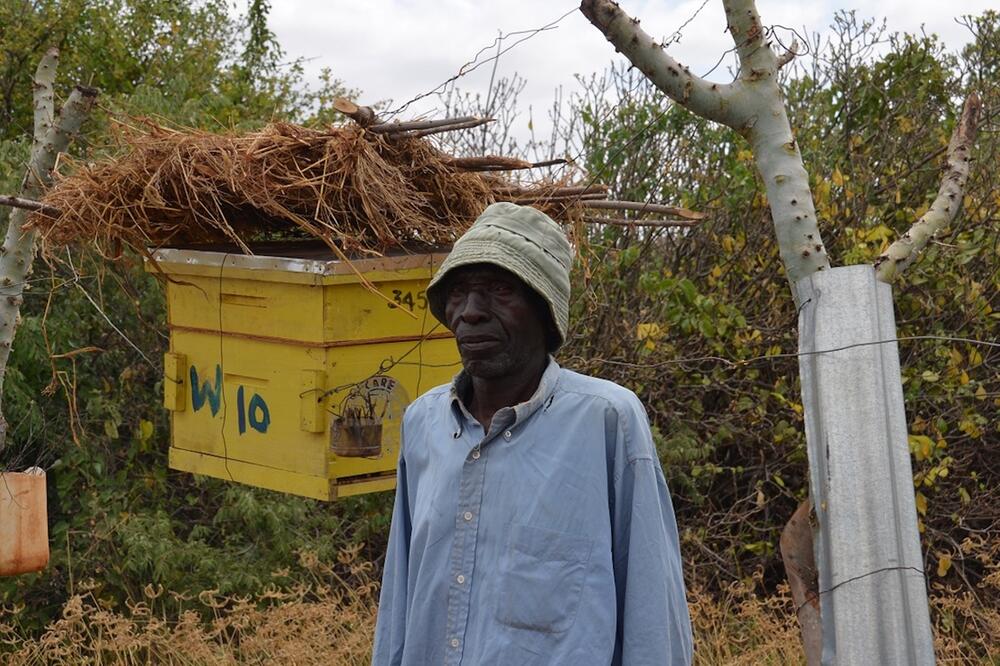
(873, 597)
(275, 359)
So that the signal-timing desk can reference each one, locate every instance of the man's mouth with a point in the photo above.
(477, 343)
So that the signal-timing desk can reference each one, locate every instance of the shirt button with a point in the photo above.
(507, 435)
(454, 642)
(475, 454)
(467, 515)
(460, 579)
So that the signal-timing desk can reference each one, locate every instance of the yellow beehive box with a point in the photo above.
(279, 361)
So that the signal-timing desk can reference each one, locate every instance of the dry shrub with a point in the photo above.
(740, 628)
(328, 622)
(967, 626)
(334, 623)
(358, 191)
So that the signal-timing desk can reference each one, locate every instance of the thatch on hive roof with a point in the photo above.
(361, 188)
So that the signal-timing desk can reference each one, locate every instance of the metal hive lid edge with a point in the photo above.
(186, 257)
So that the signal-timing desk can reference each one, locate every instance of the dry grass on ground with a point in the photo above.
(328, 622)
(331, 622)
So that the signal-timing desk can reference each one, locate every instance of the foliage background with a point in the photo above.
(700, 324)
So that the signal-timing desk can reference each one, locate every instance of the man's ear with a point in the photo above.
(544, 311)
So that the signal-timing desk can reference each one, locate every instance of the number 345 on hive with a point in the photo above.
(408, 300)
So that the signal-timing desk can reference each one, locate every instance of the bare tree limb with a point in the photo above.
(362, 115)
(556, 161)
(552, 192)
(707, 99)
(788, 55)
(622, 222)
(643, 207)
(448, 128)
(497, 163)
(18, 249)
(27, 204)
(42, 94)
(569, 198)
(390, 128)
(942, 212)
(752, 105)
(366, 117)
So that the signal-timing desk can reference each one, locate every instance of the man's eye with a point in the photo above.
(501, 288)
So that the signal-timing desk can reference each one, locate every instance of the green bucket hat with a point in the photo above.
(522, 240)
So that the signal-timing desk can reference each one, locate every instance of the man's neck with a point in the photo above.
(491, 395)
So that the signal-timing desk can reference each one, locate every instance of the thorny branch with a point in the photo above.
(945, 208)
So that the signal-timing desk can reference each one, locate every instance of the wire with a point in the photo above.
(475, 64)
(76, 282)
(771, 357)
(811, 596)
(222, 387)
(675, 38)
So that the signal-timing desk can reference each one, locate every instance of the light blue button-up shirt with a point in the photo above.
(548, 540)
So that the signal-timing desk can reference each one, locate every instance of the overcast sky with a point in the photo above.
(398, 49)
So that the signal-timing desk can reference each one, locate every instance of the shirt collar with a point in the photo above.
(508, 416)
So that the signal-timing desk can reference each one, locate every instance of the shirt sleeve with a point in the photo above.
(390, 626)
(654, 626)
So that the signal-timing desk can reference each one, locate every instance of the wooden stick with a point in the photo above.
(28, 204)
(647, 208)
(454, 126)
(488, 162)
(555, 191)
(362, 115)
(567, 198)
(389, 128)
(496, 163)
(553, 162)
(622, 222)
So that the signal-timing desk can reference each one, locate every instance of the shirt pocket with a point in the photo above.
(542, 573)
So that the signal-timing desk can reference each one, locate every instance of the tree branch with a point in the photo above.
(752, 105)
(567, 198)
(707, 99)
(42, 93)
(942, 212)
(496, 163)
(362, 115)
(447, 128)
(556, 191)
(622, 222)
(389, 128)
(18, 249)
(788, 55)
(644, 207)
(29, 205)
(757, 60)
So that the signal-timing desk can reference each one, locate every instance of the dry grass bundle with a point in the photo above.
(740, 628)
(358, 191)
(335, 623)
(329, 622)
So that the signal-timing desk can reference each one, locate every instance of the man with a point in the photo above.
(532, 523)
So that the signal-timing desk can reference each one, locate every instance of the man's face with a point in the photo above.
(496, 320)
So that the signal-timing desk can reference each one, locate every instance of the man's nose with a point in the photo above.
(475, 308)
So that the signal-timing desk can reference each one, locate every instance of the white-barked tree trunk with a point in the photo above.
(52, 136)
(866, 601)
